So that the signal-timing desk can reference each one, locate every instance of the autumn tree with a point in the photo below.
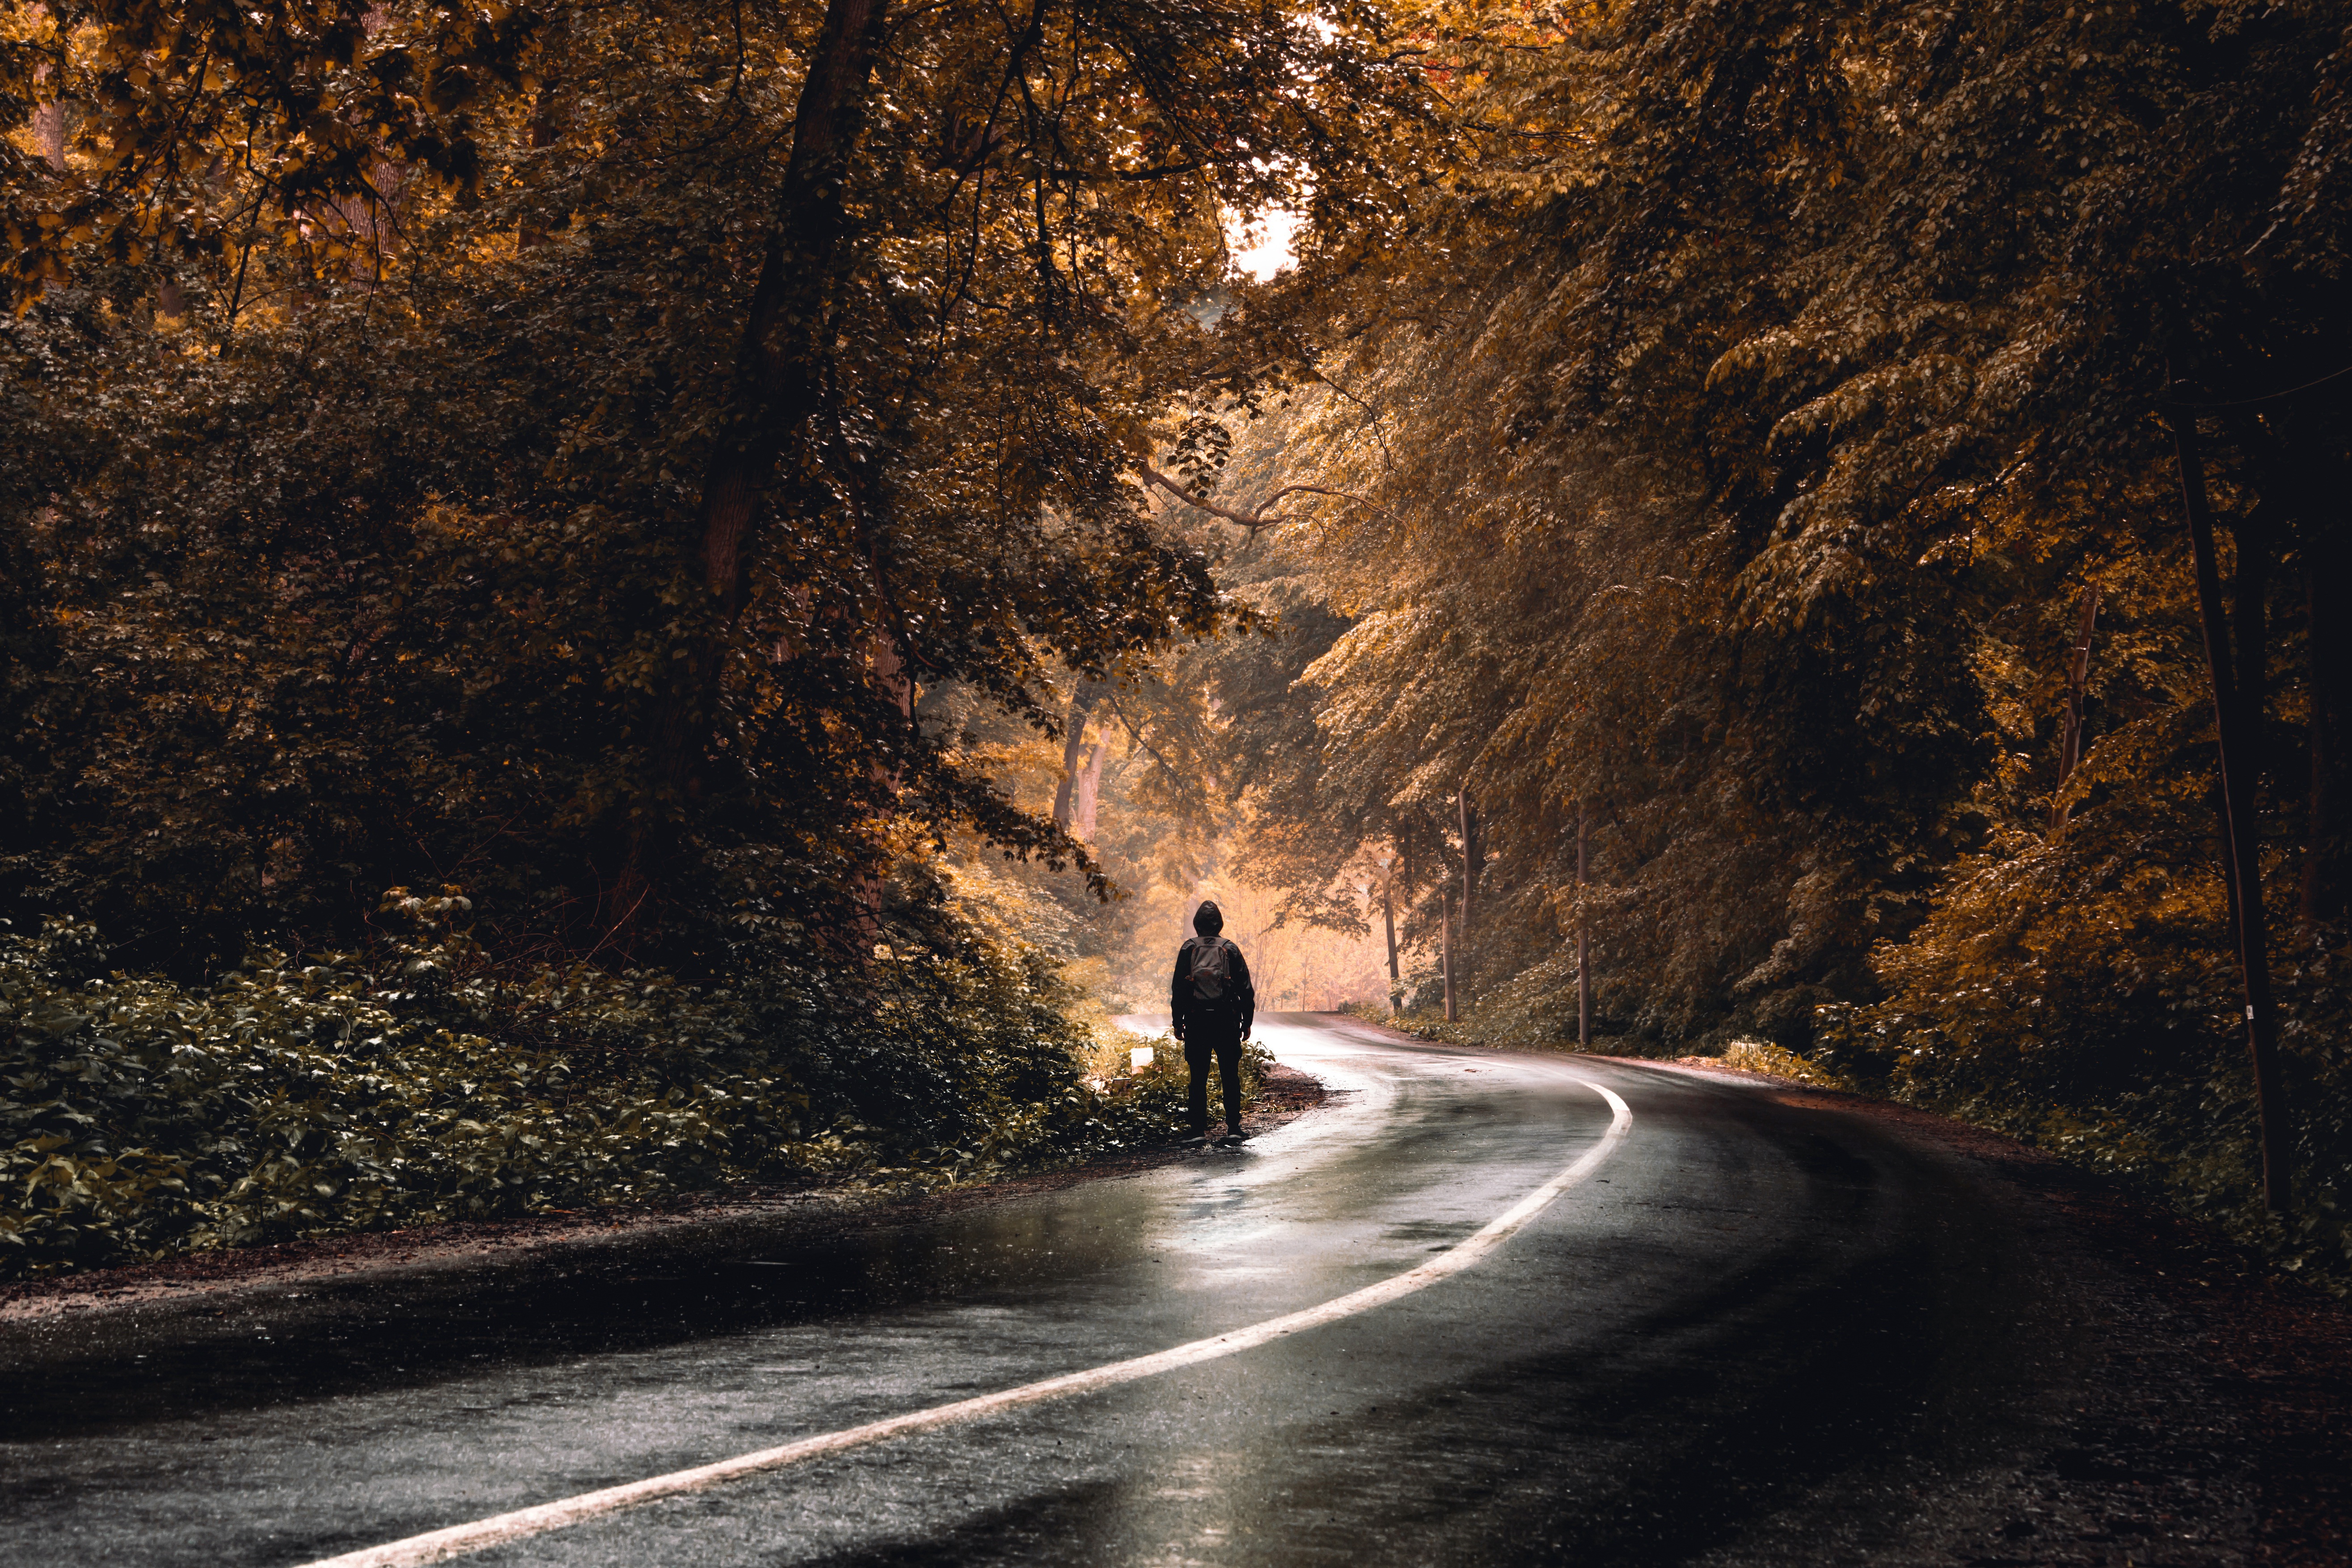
(604, 572)
(1735, 426)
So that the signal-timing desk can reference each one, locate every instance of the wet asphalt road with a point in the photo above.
(1748, 1302)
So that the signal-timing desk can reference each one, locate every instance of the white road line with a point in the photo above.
(459, 1539)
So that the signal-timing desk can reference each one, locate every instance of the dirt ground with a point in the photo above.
(2216, 1386)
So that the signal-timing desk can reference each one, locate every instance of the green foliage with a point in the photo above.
(1762, 1056)
(1708, 420)
(1757, 396)
(1534, 1010)
(1152, 1101)
(376, 390)
(417, 1081)
(411, 476)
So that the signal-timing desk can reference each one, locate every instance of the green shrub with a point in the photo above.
(1150, 1102)
(420, 1081)
(138, 1117)
(1762, 1056)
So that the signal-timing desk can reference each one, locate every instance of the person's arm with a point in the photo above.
(1244, 992)
(1176, 993)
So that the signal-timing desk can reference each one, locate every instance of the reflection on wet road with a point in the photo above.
(1741, 1299)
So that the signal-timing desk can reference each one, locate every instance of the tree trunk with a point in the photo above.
(1445, 945)
(48, 124)
(1404, 851)
(2070, 742)
(776, 381)
(1472, 852)
(547, 114)
(775, 393)
(2320, 656)
(888, 663)
(1583, 942)
(2250, 646)
(1089, 792)
(883, 662)
(2233, 732)
(1074, 734)
(2222, 831)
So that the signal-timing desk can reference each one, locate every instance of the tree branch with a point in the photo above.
(1135, 734)
(1253, 521)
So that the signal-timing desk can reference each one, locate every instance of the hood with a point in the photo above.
(1208, 919)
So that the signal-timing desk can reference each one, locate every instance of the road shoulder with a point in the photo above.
(446, 1253)
(2206, 1417)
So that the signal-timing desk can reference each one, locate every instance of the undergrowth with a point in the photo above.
(2081, 995)
(418, 1081)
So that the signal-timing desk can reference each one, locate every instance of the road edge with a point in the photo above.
(452, 1248)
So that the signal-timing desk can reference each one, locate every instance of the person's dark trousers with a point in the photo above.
(1226, 1046)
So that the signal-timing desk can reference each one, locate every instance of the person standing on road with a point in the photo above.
(1210, 1005)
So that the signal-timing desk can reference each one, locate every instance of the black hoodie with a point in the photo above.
(1240, 1002)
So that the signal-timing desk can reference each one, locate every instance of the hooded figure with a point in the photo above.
(1211, 1005)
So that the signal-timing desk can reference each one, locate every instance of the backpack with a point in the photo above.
(1210, 973)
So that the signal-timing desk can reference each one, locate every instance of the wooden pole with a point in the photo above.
(1446, 945)
(2236, 743)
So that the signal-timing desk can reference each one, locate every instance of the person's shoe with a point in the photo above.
(1193, 1141)
(1235, 1136)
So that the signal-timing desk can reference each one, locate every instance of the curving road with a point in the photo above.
(1746, 1330)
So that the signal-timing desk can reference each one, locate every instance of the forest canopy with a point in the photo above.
(553, 451)
(1807, 483)
(1831, 513)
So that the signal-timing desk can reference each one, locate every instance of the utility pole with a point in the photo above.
(1583, 942)
(1446, 945)
(1388, 863)
(1470, 858)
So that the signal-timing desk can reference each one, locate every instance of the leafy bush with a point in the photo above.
(2080, 995)
(1762, 1056)
(1433, 1025)
(418, 1081)
(1149, 1101)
